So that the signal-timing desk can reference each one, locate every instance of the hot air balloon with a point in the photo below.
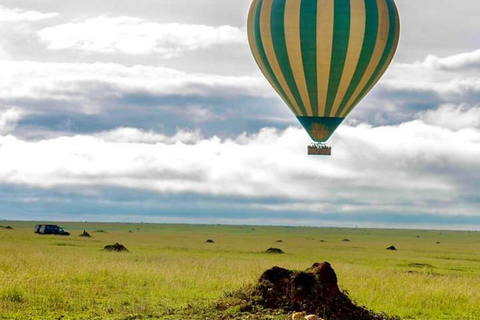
(323, 56)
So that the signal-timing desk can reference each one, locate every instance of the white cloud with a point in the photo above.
(133, 135)
(454, 117)
(198, 114)
(455, 63)
(453, 75)
(16, 15)
(89, 84)
(128, 35)
(381, 169)
(9, 119)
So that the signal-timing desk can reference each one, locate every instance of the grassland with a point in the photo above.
(170, 269)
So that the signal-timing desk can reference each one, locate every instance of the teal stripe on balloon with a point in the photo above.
(280, 46)
(341, 34)
(370, 39)
(392, 33)
(263, 56)
(308, 31)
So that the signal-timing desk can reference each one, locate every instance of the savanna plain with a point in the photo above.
(171, 272)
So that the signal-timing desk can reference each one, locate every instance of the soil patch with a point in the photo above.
(117, 247)
(313, 291)
(274, 250)
(420, 265)
(61, 244)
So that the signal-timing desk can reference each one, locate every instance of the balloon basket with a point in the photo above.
(319, 149)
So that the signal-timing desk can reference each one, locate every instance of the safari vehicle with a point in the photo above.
(50, 229)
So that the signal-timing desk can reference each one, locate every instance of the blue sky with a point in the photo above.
(156, 112)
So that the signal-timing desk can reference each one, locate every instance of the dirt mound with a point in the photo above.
(117, 247)
(274, 250)
(392, 248)
(85, 234)
(313, 291)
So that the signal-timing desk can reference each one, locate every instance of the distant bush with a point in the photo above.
(85, 234)
(117, 247)
(274, 250)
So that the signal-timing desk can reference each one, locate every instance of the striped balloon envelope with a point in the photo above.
(323, 56)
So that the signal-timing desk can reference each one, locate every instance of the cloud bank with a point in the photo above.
(19, 15)
(409, 167)
(128, 35)
(71, 81)
(9, 119)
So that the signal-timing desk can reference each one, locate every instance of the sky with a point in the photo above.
(155, 111)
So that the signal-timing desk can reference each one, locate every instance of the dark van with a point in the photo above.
(50, 229)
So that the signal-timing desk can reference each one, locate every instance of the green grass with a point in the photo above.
(171, 271)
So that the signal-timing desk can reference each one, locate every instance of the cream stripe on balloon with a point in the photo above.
(265, 27)
(325, 15)
(355, 44)
(254, 48)
(389, 59)
(251, 38)
(382, 37)
(294, 49)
